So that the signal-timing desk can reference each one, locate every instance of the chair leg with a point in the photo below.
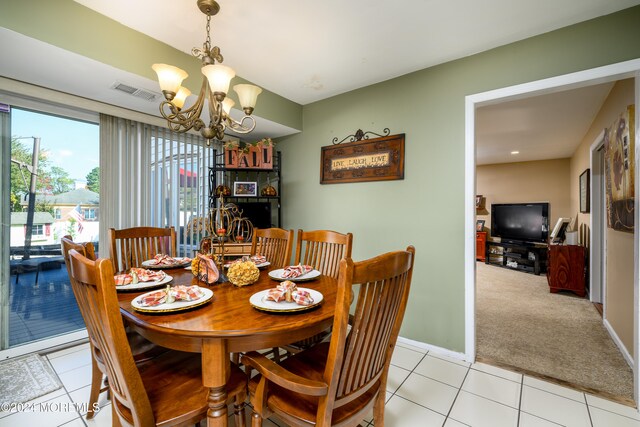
(238, 410)
(276, 354)
(115, 421)
(378, 409)
(256, 420)
(96, 385)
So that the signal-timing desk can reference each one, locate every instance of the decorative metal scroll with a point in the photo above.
(360, 135)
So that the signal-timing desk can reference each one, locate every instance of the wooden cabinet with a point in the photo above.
(481, 245)
(566, 270)
(234, 249)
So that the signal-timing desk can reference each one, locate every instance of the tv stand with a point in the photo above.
(522, 256)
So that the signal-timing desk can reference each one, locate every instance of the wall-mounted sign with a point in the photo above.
(251, 156)
(378, 159)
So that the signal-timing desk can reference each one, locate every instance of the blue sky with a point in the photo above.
(71, 144)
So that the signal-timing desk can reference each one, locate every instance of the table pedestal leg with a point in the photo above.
(215, 374)
(217, 406)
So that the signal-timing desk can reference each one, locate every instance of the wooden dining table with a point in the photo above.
(229, 324)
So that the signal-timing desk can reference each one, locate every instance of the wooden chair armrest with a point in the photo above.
(279, 375)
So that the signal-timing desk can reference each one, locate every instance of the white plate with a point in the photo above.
(277, 275)
(174, 306)
(259, 301)
(145, 285)
(180, 262)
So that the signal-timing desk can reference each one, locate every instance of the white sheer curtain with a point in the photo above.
(150, 176)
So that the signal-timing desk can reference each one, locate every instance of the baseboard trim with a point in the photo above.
(618, 343)
(440, 350)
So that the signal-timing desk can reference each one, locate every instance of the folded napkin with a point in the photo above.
(287, 291)
(294, 271)
(207, 270)
(258, 259)
(136, 275)
(177, 293)
(167, 261)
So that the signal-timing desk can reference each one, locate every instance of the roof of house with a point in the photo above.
(20, 218)
(80, 196)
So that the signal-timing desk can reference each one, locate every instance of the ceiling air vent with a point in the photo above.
(134, 91)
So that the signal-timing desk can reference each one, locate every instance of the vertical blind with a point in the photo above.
(152, 176)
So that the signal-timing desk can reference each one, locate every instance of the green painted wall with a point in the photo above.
(426, 209)
(73, 27)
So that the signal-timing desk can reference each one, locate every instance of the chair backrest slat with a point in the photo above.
(130, 247)
(323, 250)
(273, 243)
(359, 359)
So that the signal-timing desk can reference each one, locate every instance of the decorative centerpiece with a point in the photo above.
(195, 263)
(221, 219)
(241, 229)
(243, 272)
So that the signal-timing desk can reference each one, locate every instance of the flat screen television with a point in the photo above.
(520, 222)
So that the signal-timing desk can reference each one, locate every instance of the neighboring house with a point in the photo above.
(80, 205)
(42, 230)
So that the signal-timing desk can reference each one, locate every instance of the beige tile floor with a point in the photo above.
(424, 389)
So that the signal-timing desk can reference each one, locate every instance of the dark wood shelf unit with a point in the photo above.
(251, 175)
(530, 258)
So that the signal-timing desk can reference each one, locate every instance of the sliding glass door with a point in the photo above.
(50, 188)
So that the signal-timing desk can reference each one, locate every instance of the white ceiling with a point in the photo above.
(541, 127)
(311, 50)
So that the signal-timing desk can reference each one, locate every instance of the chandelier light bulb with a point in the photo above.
(248, 95)
(170, 78)
(181, 97)
(219, 77)
(227, 104)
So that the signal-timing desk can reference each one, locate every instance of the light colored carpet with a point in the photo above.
(24, 378)
(521, 324)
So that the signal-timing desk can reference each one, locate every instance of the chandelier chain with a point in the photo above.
(207, 44)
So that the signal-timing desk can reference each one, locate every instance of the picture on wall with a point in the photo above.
(584, 191)
(619, 166)
(245, 188)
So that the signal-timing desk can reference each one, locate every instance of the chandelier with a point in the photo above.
(215, 86)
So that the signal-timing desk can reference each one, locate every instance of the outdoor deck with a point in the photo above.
(45, 309)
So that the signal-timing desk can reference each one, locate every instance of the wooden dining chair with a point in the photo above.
(341, 381)
(164, 391)
(86, 249)
(275, 244)
(141, 348)
(323, 250)
(130, 247)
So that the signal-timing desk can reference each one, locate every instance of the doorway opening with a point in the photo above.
(604, 74)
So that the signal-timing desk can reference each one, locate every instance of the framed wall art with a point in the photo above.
(245, 189)
(378, 159)
(619, 168)
(584, 185)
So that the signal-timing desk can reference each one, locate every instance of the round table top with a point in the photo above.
(230, 316)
